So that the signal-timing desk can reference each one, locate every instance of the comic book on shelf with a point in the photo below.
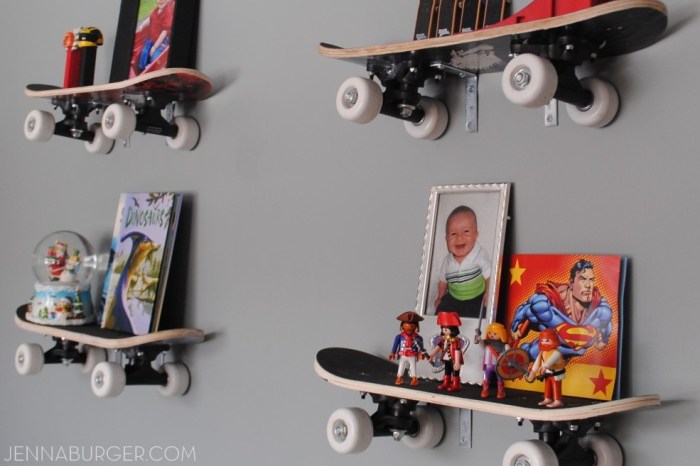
(581, 297)
(140, 254)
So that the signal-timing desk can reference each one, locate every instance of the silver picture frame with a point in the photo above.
(490, 204)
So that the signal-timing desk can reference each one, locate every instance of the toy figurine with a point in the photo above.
(450, 347)
(56, 260)
(495, 344)
(408, 345)
(69, 274)
(550, 367)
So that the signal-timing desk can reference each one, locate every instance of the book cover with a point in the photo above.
(137, 274)
(579, 296)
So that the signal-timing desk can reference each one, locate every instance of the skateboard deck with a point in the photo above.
(98, 337)
(178, 84)
(619, 27)
(135, 104)
(357, 370)
(537, 52)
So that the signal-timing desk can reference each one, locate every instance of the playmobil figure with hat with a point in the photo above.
(408, 346)
(450, 347)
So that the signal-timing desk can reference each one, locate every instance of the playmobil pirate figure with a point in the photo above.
(450, 347)
(495, 344)
(408, 346)
(550, 367)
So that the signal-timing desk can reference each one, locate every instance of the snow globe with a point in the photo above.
(63, 263)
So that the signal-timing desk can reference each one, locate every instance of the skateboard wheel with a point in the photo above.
(359, 100)
(108, 379)
(602, 110)
(431, 428)
(606, 450)
(100, 144)
(118, 121)
(29, 359)
(434, 122)
(349, 430)
(178, 379)
(530, 453)
(93, 356)
(529, 80)
(187, 134)
(39, 126)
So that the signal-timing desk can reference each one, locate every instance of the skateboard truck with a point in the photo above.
(393, 417)
(63, 352)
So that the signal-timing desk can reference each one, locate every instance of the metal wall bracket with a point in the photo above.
(551, 113)
(471, 91)
(465, 428)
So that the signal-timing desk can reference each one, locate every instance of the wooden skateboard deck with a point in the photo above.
(357, 370)
(179, 84)
(98, 337)
(618, 27)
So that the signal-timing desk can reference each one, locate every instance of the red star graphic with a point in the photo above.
(600, 383)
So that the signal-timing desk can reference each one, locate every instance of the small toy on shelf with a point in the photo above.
(495, 344)
(550, 367)
(81, 54)
(450, 348)
(62, 290)
(408, 346)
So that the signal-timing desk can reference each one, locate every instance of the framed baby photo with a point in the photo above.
(463, 250)
(154, 34)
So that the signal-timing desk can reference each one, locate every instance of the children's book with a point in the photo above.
(580, 296)
(137, 274)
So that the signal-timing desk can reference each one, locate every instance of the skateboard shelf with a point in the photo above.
(538, 58)
(87, 345)
(146, 104)
(566, 436)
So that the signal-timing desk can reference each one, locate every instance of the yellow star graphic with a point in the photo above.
(516, 273)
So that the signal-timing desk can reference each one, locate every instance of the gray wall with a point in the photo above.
(280, 183)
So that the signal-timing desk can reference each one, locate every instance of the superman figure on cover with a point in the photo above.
(576, 310)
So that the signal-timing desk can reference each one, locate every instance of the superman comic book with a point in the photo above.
(580, 296)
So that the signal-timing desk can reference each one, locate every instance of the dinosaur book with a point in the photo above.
(139, 259)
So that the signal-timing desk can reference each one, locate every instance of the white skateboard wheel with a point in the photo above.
(100, 144)
(602, 110)
(530, 452)
(434, 122)
(29, 359)
(178, 379)
(93, 356)
(187, 134)
(39, 126)
(359, 100)
(108, 379)
(118, 121)
(607, 451)
(529, 81)
(349, 430)
(432, 428)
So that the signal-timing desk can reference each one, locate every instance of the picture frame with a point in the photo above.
(154, 34)
(490, 203)
(487, 205)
